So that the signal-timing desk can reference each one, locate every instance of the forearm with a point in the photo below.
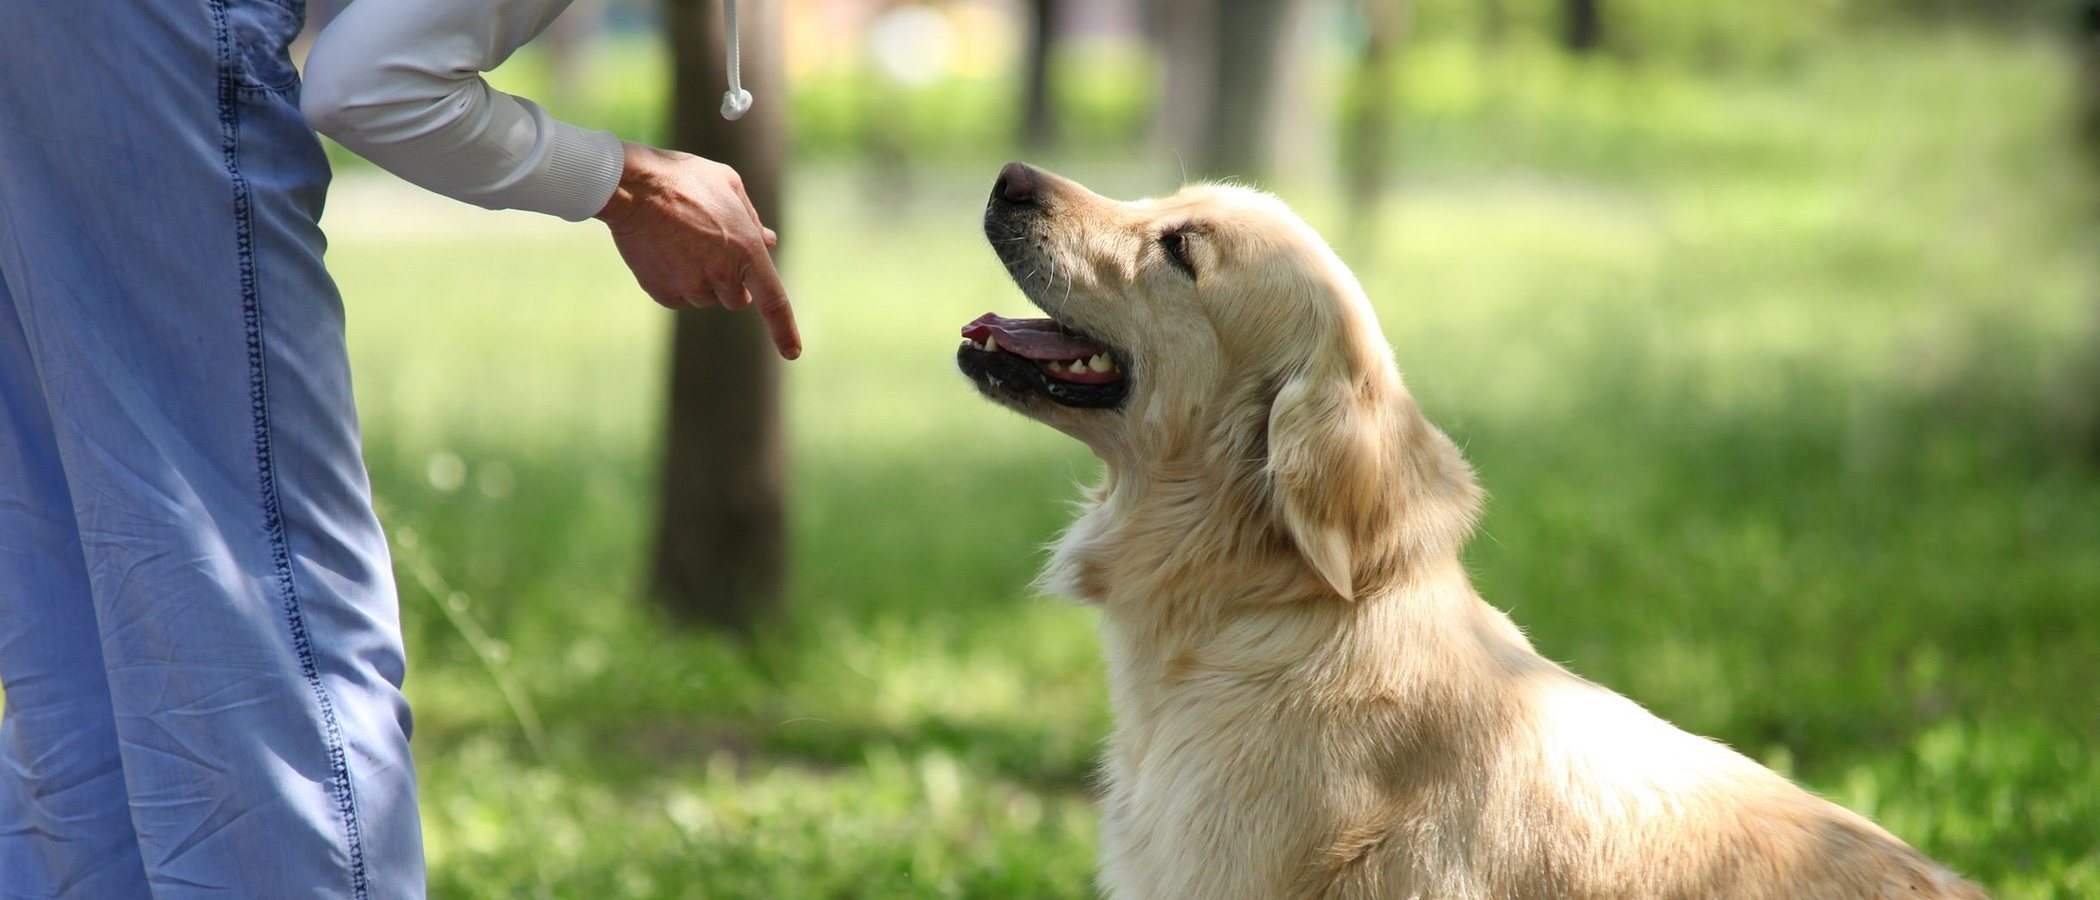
(399, 83)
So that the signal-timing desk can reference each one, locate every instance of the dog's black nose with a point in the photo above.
(1016, 183)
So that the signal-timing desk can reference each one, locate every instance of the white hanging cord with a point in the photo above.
(737, 101)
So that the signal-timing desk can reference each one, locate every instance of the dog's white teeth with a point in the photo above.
(1100, 363)
(1055, 366)
(990, 343)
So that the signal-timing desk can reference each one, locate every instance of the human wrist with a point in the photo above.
(638, 177)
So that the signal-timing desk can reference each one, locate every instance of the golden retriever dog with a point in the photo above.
(1310, 698)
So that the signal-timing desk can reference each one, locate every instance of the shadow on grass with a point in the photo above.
(1002, 753)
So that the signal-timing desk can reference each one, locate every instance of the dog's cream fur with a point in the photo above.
(1310, 699)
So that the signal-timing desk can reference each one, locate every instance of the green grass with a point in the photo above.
(1770, 376)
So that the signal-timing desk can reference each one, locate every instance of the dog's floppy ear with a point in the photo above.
(1326, 470)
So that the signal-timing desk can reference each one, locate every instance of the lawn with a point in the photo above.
(1776, 380)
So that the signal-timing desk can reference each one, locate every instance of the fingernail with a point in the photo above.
(793, 353)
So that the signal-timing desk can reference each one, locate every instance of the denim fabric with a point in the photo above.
(199, 640)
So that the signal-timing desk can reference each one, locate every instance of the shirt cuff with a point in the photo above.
(582, 170)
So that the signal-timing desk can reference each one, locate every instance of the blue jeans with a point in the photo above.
(199, 640)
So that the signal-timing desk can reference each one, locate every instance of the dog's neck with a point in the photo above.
(1187, 599)
(1200, 507)
(1173, 561)
(1186, 550)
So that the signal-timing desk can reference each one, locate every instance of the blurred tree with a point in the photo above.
(721, 540)
(1584, 25)
(1494, 24)
(1247, 42)
(2088, 36)
(1368, 118)
(2089, 75)
(1038, 117)
(1181, 30)
(1219, 97)
(567, 43)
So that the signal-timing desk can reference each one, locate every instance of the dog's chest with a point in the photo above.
(1236, 771)
(1209, 790)
(1198, 813)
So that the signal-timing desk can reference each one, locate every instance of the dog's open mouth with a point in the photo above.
(1039, 357)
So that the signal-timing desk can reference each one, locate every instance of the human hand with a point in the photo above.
(692, 238)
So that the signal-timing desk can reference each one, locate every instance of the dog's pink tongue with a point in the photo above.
(1039, 339)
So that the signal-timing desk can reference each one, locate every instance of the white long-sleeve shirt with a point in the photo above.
(399, 83)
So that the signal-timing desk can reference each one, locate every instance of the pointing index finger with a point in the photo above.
(772, 301)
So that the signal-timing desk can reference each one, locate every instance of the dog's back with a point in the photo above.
(1416, 746)
(1595, 797)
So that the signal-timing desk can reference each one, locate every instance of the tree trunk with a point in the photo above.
(1238, 134)
(1038, 118)
(721, 551)
(1367, 126)
(2088, 37)
(566, 42)
(1584, 26)
(1494, 24)
(1181, 30)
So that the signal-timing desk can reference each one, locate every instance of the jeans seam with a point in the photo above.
(339, 785)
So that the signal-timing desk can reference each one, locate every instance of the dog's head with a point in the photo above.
(1213, 335)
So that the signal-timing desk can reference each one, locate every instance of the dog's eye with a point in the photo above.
(1175, 243)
